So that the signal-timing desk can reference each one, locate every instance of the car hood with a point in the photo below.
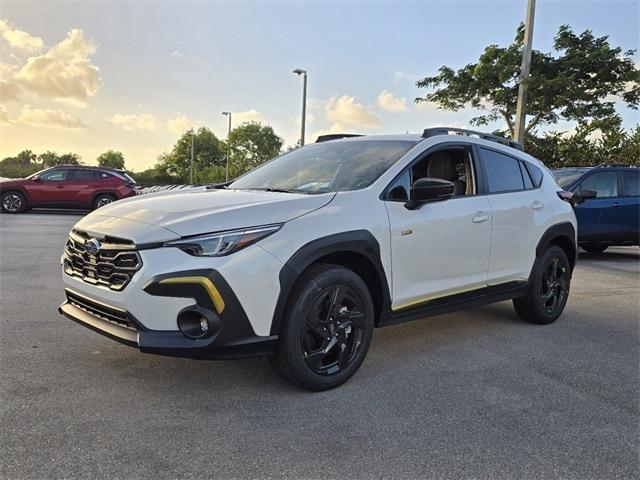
(193, 212)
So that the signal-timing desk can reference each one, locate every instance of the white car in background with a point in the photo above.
(302, 257)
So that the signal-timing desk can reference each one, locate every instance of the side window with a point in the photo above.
(54, 176)
(528, 184)
(535, 173)
(79, 174)
(399, 189)
(605, 184)
(631, 183)
(503, 171)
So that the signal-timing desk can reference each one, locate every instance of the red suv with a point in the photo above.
(66, 186)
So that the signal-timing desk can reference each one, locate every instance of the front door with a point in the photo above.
(441, 248)
(599, 218)
(49, 188)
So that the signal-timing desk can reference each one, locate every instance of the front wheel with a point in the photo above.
(326, 330)
(13, 202)
(548, 290)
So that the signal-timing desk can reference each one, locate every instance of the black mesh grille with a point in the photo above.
(112, 266)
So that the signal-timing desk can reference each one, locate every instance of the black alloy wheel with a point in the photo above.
(326, 329)
(333, 330)
(549, 285)
(553, 285)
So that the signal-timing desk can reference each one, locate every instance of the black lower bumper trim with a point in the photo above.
(121, 334)
(173, 343)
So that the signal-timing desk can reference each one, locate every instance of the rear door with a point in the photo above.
(599, 218)
(519, 212)
(82, 184)
(630, 206)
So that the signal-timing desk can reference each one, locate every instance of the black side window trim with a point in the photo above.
(480, 187)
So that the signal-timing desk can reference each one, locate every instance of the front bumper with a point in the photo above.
(228, 337)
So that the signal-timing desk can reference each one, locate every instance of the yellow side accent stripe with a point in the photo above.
(205, 283)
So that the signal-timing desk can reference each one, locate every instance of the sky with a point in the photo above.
(89, 76)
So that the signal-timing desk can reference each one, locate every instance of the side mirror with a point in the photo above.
(584, 195)
(426, 190)
(37, 179)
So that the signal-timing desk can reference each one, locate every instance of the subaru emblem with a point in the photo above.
(92, 246)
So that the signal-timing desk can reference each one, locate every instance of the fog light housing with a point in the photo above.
(193, 324)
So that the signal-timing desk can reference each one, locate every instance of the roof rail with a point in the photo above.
(432, 132)
(618, 165)
(336, 136)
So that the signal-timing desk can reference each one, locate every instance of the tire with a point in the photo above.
(548, 289)
(13, 202)
(327, 300)
(594, 248)
(102, 200)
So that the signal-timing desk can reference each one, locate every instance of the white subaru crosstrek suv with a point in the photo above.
(302, 257)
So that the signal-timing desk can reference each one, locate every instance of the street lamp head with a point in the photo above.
(226, 113)
(300, 71)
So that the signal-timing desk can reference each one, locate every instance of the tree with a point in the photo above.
(69, 159)
(252, 144)
(581, 83)
(207, 152)
(49, 159)
(111, 159)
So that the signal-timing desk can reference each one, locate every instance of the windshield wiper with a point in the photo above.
(278, 190)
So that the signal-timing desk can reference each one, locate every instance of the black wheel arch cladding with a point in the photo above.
(563, 235)
(362, 243)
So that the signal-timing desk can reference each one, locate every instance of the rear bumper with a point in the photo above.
(120, 326)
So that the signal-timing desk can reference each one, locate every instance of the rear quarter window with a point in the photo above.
(631, 183)
(535, 173)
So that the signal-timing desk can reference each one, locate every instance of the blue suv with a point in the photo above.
(607, 204)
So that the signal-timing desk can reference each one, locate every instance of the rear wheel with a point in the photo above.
(594, 248)
(548, 290)
(103, 199)
(13, 202)
(326, 330)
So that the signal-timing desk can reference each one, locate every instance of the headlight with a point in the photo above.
(223, 243)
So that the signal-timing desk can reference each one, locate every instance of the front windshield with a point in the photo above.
(37, 174)
(564, 178)
(326, 167)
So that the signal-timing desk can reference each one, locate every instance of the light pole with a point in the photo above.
(226, 171)
(299, 71)
(191, 162)
(521, 106)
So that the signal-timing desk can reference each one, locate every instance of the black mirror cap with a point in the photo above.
(426, 190)
(585, 195)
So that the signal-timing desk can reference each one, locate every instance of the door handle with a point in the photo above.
(537, 204)
(480, 217)
(60, 186)
(616, 204)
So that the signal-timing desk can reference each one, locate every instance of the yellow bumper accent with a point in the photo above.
(205, 283)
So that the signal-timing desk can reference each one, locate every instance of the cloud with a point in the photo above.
(4, 116)
(427, 107)
(401, 77)
(246, 116)
(390, 103)
(10, 91)
(181, 124)
(144, 121)
(19, 39)
(38, 117)
(348, 112)
(176, 55)
(65, 72)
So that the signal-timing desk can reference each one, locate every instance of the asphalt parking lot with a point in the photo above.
(476, 394)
